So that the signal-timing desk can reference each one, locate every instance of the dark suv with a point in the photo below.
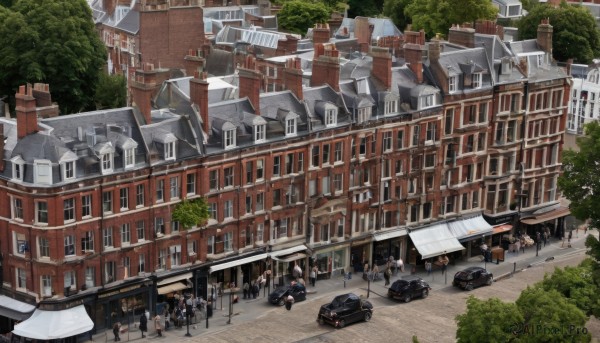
(345, 309)
(472, 277)
(409, 287)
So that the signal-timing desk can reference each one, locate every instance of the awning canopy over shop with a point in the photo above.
(288, 251)
(550, 215)
(15, 309)
(239, 262)
(48, 325)
(174, 287)
(382, 236)
(290, 258)
(434, 240)
(501, 228)
(470, 228)
(181, 277)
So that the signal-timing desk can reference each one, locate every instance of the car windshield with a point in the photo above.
(337, 302)
(464, 275)
(400, 284)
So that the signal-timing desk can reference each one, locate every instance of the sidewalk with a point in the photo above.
(250, 309)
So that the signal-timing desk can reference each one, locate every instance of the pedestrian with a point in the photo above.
(116, 329)
(313, 275)
(444, 261)
(570, 236)
(289, 301)
(255, 290)
(375, 272)
(157, 325)
(387, 274)
(246, 290)
(167, 319)
(143, 323)
(392, 264)
(428, 267)
(400, 264)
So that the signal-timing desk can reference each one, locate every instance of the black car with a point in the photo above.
(298, 291)
(409, 287)
(345, 309)
(472, 277)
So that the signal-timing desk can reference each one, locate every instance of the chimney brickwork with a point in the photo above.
(199, 96)
(326, 66)
(26, 111)
(292, 77)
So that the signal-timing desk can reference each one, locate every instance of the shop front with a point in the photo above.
(223, 275)
(551, 218)
(286, 260)
(389, 243)
(331, 261)
(360, 253)
(13, 311)
(171, 288)
(472, 233)
(432, 241)
(124, 305)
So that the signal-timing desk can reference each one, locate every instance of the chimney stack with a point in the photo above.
(292, 77)
(142, 89)
(250, 80)
(413, 55)
(463, 36)
(194, 62)
(434, 50)
(489, 27)
(544, 36)
(199, 96)
(362, 33)
(26, 111)
(321, 33)
(326, 66)
(43, 101)
(382, 65)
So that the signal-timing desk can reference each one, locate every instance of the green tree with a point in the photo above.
(580, 181)
(437, 16)
(297, 16)
(394, 9)
(364, 8)
(190, 213)
(576, 285)
(487, 321)
(575, 34)
(549, 317)
(111, 91)
(54, 42)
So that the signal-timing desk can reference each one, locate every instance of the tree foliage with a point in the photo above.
(576, 285)
(111, 91)
(364, 8)
(487, 321)
(190, 213)
(548, 316)
(580, 181)
(575, 34)
(54, 42)
(297, 16)
(394, 9)
(437, 16)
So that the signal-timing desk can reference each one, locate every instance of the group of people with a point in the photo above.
(143, 325)
(392, 267)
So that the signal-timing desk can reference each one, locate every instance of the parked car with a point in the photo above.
(472, 277)
(409, 287)
(345, 309)
(298, 291)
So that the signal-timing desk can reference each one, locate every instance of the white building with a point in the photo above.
(583, 105)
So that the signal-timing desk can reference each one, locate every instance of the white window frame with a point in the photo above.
(107, 237)
(260, 133)
(290, 127)
(477, 80)
(229, 139)
(391, 107)
(69, 240)
(106, 162)
(125, 234)
(330, 117)
(124, 199)
(129, 158)
(169, 151)
(18, 165)
(42, 172)
(453, 84)
(68, 170)
(17, 209)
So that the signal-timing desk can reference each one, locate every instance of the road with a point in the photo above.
(431, 319)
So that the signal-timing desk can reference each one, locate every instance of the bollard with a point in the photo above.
(514, 267)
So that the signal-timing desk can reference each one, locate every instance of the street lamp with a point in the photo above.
(188, 312)
(484, 252)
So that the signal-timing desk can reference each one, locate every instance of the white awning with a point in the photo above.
(288, 251)
(15, 309)
(382, 236)
(174, 287)
(172, 279)
(47, 325)
(470, 228)
(239, 262)
(434, 240)
(290, 258)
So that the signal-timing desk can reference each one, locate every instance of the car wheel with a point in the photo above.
(490, 281)
(367, 316)
(281, 302)
(469, 287)
(341, 323)
(425, 293)
(407, 298)
(321, 321)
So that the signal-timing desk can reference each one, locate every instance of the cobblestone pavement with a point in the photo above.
(431, 319)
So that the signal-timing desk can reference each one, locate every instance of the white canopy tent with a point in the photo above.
(47, 325)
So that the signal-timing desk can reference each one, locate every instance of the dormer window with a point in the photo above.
(129, 158)
(330, 117)
(42, 172)
(107, 160)
(453, 84)
(68, 170)
(290, 126)
(260, 132)
(18, 168)
(391, 106)
(427, 101)
(229, 139)
(477, 79)
(363, 114)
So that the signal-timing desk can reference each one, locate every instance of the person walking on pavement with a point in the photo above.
(313, 275)
(157, 325)
(246, 290)
(375, 272)
(143, 323)
(116, 329)
(392, 264)
(387, 274)
(444, 261)
(400, 265)
(428, 267)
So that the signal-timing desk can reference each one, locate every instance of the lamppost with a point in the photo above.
(484, 253)
(188, 312)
